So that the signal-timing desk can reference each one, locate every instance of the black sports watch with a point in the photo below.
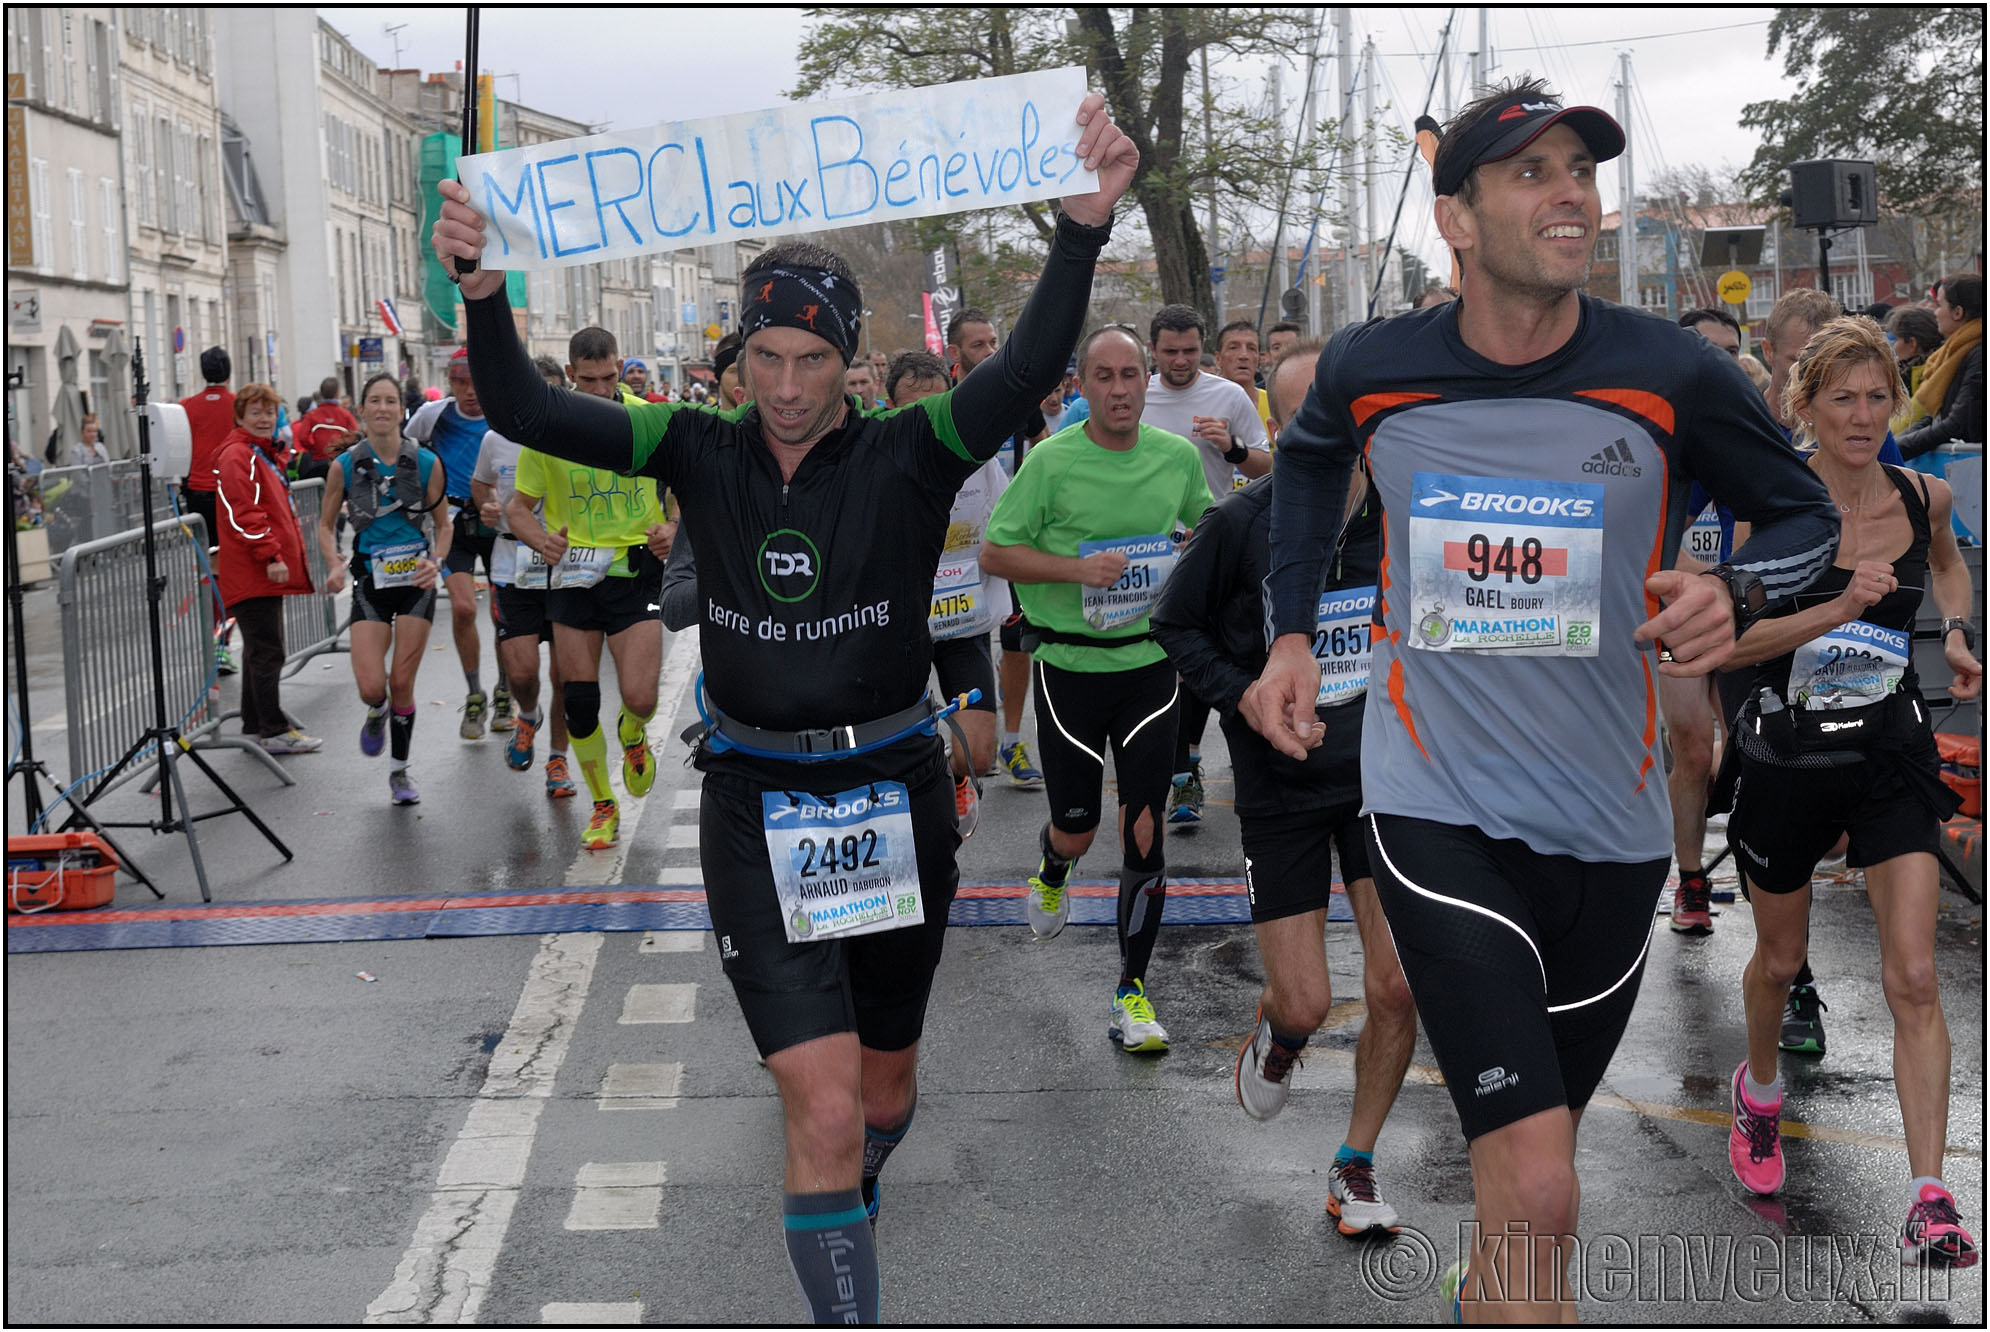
(1745, 589)
(1954, 622)
(1237, 452)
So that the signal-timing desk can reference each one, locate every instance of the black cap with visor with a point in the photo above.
(1517, 122)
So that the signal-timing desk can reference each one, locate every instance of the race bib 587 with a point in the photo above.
(1505, 565)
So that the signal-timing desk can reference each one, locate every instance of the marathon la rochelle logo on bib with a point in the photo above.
(790, 565)
(1504, 564)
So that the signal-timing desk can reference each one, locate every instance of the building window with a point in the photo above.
(79, 225)
(1854, 290)
(1761, 297)
(113, 249)
(165, 174)
(204, 182)
(40, 227)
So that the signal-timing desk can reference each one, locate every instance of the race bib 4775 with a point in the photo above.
(1505, 565)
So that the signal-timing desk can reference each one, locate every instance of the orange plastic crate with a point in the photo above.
(73, 871)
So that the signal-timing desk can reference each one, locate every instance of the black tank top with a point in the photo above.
(1896, 610)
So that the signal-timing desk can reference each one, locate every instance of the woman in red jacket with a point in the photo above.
(262, 561)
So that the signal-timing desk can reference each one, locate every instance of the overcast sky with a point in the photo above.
(626, 68)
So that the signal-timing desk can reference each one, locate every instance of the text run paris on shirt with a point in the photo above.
(913, 153)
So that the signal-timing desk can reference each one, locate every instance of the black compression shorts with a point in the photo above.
(1078, 713)
(1288, 860)
(963, 664)
(521, 613)
(1524, 966)
(875, 984)
(613, 604)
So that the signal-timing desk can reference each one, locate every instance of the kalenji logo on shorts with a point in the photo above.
(1617, 460)
(1496, 1079)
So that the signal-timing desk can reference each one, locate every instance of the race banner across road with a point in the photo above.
(809, 167)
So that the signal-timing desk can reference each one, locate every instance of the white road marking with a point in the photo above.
(443, 1276)
(660, 1003)
(641, 1086)
(594, 868)
(687, 798)
(622, 1195)
(592, 1315)
(674, 941)
(683, 836)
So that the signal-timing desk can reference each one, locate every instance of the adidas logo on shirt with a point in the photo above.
(1617, 460)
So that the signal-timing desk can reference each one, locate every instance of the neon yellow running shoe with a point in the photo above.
(603, 828)
(638, 768)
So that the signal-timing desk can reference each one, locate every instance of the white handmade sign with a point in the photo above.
(809, 167)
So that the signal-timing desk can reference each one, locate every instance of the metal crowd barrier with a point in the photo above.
(107, 647)
(311, 623)
(81, 504)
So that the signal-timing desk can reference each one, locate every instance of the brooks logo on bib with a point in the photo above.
(1853, 665)
(1341, 644)
(1503, 565)
(1149, 561)
(844, 865)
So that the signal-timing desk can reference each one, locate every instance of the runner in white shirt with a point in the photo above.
(967, 602)
(521, 610)
(1222, 421)
(1207, 410)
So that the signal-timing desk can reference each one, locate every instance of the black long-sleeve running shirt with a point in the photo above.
(812, 593)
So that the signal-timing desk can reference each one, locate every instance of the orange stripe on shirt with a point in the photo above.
(1403, 707)
(1651, 721)
(1368, 404)
(1648, 405)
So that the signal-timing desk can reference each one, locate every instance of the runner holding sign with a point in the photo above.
(818, 532)
(1084, 533)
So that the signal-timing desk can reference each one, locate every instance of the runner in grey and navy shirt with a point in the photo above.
(1532, 448)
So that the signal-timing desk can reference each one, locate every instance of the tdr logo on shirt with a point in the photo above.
(790, 565)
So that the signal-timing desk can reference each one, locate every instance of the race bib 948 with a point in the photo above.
(1505, 565)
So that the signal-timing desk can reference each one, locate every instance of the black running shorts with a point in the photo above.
(521, 613)
(1524, 966)
(613, 604)
(379, 605)
(1288, 863)
(963, 664)
(469, 541)
(1785, 820)
(1078, 713)
(875, 984)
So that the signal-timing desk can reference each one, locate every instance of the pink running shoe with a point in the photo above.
(1755, 1143)
(1934, 1234)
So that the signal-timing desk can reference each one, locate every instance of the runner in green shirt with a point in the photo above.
(1085, 532)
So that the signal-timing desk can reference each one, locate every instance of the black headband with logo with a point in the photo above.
(812, 299)
(1517, 122)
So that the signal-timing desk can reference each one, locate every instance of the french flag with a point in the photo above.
(388, 315)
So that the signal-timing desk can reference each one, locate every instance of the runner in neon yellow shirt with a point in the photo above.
(599, 552)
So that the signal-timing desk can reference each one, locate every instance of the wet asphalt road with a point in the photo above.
(256, 1135)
